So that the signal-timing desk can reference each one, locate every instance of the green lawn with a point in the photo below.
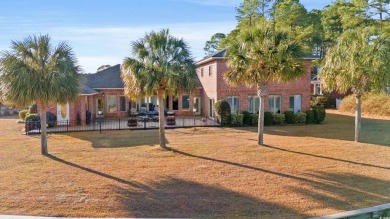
(304, 171)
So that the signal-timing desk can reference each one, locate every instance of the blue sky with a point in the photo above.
(100, 32)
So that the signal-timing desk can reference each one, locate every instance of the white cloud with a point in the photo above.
(96, 46)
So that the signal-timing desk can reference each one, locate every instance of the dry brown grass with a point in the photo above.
(304, 171)
(372, 104)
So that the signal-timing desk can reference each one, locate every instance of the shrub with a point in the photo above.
(319, 114)
(247, 120)
(309, 116)
(268, 118)
(237, 119)
(299, 117)
(289, 117)
(222, 108)
(32, 117)
(325, 101)
(255, 119)
(33, 109)
(279, 118)
(22, 115)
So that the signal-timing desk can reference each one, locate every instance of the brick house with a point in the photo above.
(102, 95)
(294, 95)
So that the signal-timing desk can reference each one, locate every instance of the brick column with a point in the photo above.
(82, 110)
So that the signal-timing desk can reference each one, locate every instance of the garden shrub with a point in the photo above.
(32, 117)
(237, 119)
(22, 114)
(326, 101)
(33, 109)
(247, 120)
(222, 108)
(255, 119)
(319, 114)
(299, 117)
(279, 118)
(268, 118)
(309, 116)
(289, 117)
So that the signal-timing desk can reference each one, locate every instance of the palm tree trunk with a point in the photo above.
(261, 92)
(43, 131)
(358, 117)
(161, 119)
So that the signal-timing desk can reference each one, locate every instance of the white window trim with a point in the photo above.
(280, 103)
(108, 105)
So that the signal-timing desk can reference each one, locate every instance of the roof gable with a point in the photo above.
(109, 78)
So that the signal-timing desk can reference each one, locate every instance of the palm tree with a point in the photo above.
(162, 64)
(34, 71)
(261, 55)
(358, 62)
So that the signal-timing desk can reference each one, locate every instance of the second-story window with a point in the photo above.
(210, 70)
(201, 72)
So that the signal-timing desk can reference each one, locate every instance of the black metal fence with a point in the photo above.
(33, 127)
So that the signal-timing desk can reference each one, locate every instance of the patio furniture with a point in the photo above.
(171, 120)
(132, 120)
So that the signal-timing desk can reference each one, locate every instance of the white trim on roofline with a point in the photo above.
(210, 59)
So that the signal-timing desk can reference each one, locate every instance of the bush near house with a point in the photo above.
(222, 108)
(319, 114)
(300, 117)
(268, 118)
(279, 118)
(33, 109)
(289, 117)
(326, 101)
(247, 120)
(309, 116)
(372, 104)
(22, 115)
(255, 119)
(237, 119)
(32, 117)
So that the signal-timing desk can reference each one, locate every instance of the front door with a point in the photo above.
(99, 108)
(62, 113)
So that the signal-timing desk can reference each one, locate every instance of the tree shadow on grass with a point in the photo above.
(179, 198)
(345, 191)
(328, 158)
(339, 127)
(338, 191)
(119, 139)
(172, 197)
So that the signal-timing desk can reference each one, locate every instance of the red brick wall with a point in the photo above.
(221, 89)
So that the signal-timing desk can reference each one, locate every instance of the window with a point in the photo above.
(185, 102)
(210, 70)
(175, 104)
(111, 103)
(295, 103)
(274, 103)
(234, 103)
(291, 103)
(122, 103)
(253, 104)
(201, 72)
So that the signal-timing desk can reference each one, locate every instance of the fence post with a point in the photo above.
(67, 125)
(100, 126)
(144, 124)
(119, 124)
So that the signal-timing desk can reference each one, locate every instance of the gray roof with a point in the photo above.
(85, 90)
(108, 78)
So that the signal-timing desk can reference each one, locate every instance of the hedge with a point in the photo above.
(237, 119)
(319, 114)
(22, 115)
(222, 108)
(300, 117)
(289, 117)
(279, 118)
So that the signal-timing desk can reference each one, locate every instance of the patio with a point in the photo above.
(122, 124)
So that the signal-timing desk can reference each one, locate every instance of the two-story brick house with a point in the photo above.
(294, 95)
(103, 96)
